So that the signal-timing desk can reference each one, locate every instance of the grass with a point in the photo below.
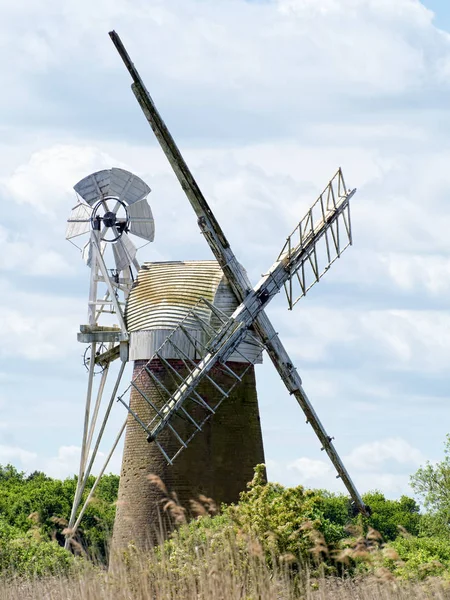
(228, 574)
(136, 584)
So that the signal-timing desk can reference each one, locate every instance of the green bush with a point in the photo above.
(421, 557)
(42, 504)
(271, 523)
(388, 515)
(308, 526)
(28, 554)
(286, 521)
(276, 523)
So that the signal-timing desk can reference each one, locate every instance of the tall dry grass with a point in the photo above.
(228, 574)
(136, 584)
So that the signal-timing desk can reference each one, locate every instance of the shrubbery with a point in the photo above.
(301, 527)
(34, 510)
(279, 526)
(27, 553)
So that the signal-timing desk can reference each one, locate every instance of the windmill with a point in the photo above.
(316, 242)
(112, 204)
(207, 353)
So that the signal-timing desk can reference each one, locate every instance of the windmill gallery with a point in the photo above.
(194, 331)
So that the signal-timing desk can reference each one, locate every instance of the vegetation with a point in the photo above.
(277, 542)
(432, 484)
(34, 512)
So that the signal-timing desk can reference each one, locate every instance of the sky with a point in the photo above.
(266, 99)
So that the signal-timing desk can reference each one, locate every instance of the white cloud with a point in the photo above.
(399, 339)
(357, 47)
(282, 92)
(380, 465)
(400, 11)
(67, 463)
(46, 180)
(38, 326)
(14, 454)
(413, 272)
(64, 464)
(24, 255)
(392, 485)
(310, 470)
(375, 455)
(348, 24)
(410, 339)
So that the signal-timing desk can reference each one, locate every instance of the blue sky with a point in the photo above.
(441, 10)
(266, 100)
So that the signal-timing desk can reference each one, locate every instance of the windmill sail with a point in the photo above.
(116, 199)
(231, 268)
(188, 345)
(87, 252)
(112, 182)
(124, 252)
(79, 221)
(141, 220)
(234, 330)
(328, 223)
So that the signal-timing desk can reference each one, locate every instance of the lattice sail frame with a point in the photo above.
(333, 208)
(216, 344)
(191, 347)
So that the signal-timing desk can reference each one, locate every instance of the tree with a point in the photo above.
(432, 484)
(38, 503)
(388, 515)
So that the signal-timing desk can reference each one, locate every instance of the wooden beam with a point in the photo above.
(109, 356)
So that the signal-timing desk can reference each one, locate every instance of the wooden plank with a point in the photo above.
(109, 356)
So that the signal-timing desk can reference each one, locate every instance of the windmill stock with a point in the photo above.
(334, 220)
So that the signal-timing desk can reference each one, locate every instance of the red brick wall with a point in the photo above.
(218, 462)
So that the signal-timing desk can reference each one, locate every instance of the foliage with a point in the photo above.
(34, 510)
(388, 515)
(272, 527)
(432, 484)
(286, 521)
(306, 527)
(29, 554)
(421, 557)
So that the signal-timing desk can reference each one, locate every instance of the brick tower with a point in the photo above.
(220, 460)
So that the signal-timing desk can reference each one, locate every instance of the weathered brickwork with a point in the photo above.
(218, 463)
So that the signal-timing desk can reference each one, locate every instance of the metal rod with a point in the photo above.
(149, 402)
(97, 481)
(98, 401)
(105, 419)
(104, 272)
(78, 492)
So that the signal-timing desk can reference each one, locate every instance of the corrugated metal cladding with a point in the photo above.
(163, 295)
